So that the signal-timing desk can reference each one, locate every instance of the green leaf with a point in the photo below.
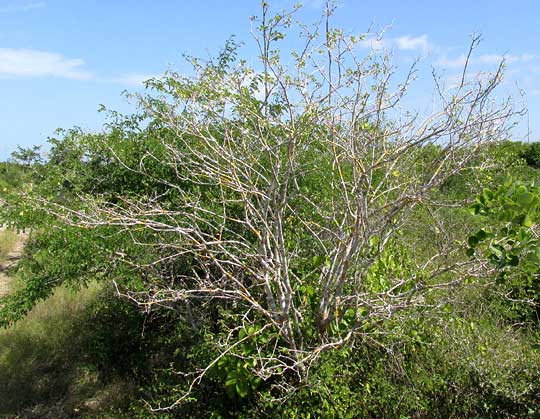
(525, 199)
(537, 253)
(481, 235)
(488, 195)
(496, 250)
(527, 221)
(230, 382)
(474, 209)
(513, 260)
(472, 241)
(242, 388)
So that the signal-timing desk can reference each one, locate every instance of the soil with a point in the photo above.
(12, 258)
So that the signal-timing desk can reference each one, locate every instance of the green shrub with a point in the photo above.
(531, 154)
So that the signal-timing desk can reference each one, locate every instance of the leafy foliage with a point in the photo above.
(531, 154)
(509, 240)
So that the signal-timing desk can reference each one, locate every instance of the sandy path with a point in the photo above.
(12, 258)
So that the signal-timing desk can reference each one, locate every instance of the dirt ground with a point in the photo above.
(12, 258)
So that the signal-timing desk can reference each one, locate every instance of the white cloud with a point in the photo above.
(403, 43)
(12, 6)
(528, 57)
(453, 81)
(446, 62)
(315, 4)
(495, 58)
(133, 79)
(33, 5)
(413, 43)
(35, 63)
(374, 42)
(489, 59)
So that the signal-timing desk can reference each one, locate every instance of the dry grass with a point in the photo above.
(8, 239)
(42, 368)
(8, 242)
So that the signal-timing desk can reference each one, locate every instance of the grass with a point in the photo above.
(44, 371)
(8, 238)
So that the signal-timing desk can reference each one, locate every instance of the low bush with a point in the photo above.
(531, 154)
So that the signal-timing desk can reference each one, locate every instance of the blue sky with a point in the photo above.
(60, 59)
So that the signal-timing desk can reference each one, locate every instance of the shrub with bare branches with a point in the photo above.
(283, 191)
